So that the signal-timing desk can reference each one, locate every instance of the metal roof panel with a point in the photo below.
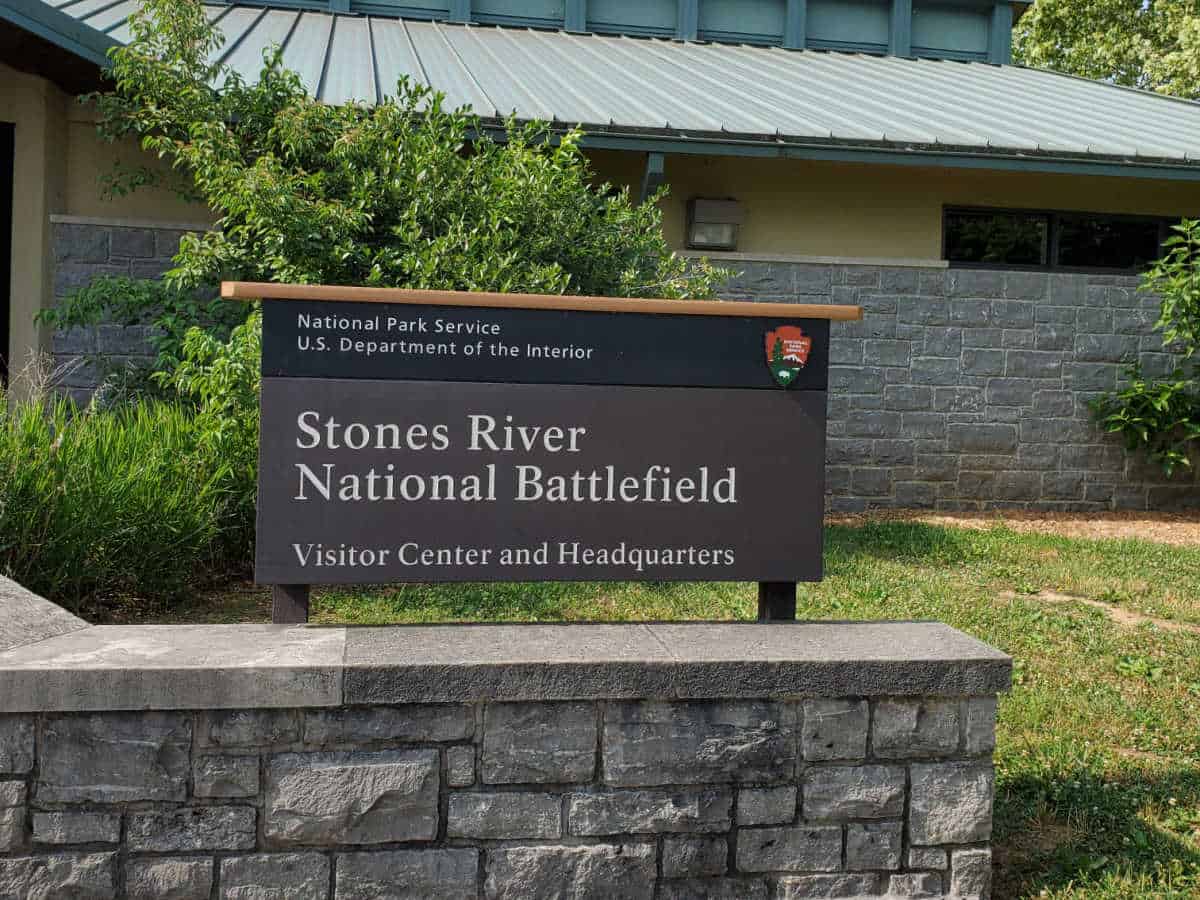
(653, 87)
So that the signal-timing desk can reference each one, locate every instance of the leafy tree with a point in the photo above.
(1151, 44)
(1162, 417)
(406, 193)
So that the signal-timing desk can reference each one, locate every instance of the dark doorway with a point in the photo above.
(7, 151)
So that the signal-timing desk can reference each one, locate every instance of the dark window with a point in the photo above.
(1016, 239)
(1098, 242)
(1051, 240)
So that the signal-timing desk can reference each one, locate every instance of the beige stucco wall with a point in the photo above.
(90, 159)
(36, 108)
(58, 164)
(797, 207)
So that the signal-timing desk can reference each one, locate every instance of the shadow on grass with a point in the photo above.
(1070, 829)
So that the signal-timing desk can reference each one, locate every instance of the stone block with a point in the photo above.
(275, 876)
(133, 242)
(1011, 391)
(83, 876)
(935, 370)
(892, 452)
(1093, 320)
(951, 803)
(1018, 486)
(650, 743)
(1080, 376)
(115, 758)
(80, 243)
(932, 281)
(1134, 321)
(1113, 348)
(225, 776)
(74, 341)
(593, 872)
(416, 722)
(714, 889)
(971, 873)
(848, 451)
(927, 858)
(915, 884)
(71, 275)
(873, 845)
(538, 743)
(166, 242)
(886, 353)
(943, 342)
(1019, 339)
(165, 878)
(904, 397)
(1068, 290)
(922, 311)
(916, 495)
(1033, 363)
(801, 848)
(860, 276)
(460, 766)
(690, 857)
(981, 725)
(248, 728)
(1026, 285)
(900, 280)
(76, 828)
(845, 351)
(12, 815)
(125, 340)
(408, 875)
(1012, 314)
(958, 399)
(319, 799)
(827, 887)
(489, 816)
(853, 792)
(650, 812)
(811, 279)
(766, 806)
(871, 482)
(937, 466)
(855, 380)
(191, 829)
(981, 437)
(834, 729)
(923, 425)
(971, 314)
(1054, 337)
(873, 424)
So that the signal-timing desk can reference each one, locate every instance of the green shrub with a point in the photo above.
(105, 501)
(171, 311)
(1161, 418)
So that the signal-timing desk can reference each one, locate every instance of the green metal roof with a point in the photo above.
(688, 97)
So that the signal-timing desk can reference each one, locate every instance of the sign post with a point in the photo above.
(431, 436)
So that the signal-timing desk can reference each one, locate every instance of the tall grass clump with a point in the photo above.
(99, 502)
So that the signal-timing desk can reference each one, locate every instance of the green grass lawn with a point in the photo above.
(1098, 756)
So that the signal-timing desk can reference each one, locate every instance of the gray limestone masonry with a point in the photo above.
(808, 760)
(959, 390)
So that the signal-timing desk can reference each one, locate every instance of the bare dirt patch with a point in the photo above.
(1179, 529)
(1118, 614)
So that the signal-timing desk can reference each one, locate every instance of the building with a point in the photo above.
(990, 218)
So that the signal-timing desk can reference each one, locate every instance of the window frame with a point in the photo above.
(1052, 237)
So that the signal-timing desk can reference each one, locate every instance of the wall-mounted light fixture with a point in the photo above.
(713, 224)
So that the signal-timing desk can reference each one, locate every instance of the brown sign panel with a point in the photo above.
(369, 480)
(423, 436)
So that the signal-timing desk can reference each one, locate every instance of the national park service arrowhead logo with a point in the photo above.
(787, 353)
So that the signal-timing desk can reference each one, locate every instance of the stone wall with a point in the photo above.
(968, 389)
(960, 389)
(655, 761)
(645, 799)
(85, 251)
